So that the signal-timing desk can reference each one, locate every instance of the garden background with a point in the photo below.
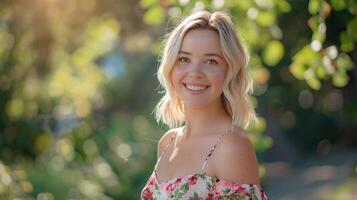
(78, 87)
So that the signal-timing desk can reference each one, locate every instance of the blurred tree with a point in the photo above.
(54, 72)
(13, 183)
(77, 80)
(282, 47)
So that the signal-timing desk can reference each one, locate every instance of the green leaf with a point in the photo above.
(340, 79)
(351, 6)
(179, 192)
(250, 34)
(170, 2)
(195, 196)
(347, 43)
(244, 5)
(352, 28)
(43, 142)
(273, 52)
(227, 190)
(147, 3)
(326, 9)
(208, 185)
(154, 16)
(298, 69)
(313, 23)
(318, 36)
(314, 83)
(314, 6)
(266, 18)
(321, 72)
(331, 52)
(257, 127)
(344, 62)
(283, 6)
(263, 143)
(303, 60)
(338, 4)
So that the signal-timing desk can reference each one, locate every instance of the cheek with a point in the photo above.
(174, 78)
(218, 75)
(176, 74)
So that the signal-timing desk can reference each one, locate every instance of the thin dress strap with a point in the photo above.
(213, 148)
(167, 146)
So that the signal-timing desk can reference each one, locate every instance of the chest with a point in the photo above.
(184, 158)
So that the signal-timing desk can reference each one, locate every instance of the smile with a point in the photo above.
(195, 87)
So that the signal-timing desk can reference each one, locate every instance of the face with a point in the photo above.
(200, 69)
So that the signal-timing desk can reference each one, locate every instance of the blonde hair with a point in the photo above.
(237, 84)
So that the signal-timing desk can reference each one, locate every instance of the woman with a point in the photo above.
(203, 71)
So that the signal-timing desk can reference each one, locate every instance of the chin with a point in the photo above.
(197, 104)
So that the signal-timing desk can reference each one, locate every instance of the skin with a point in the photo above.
(201, 62)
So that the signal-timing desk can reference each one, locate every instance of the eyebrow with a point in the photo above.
(206, 54)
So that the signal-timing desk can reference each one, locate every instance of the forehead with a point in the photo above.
(201, 41)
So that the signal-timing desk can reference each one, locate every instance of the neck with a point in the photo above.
(208, 120)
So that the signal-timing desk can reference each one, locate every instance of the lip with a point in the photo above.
(195, 92)
(197, 84)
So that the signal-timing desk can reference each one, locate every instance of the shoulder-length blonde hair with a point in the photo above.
(237, 84)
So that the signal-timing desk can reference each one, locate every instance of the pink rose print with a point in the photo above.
(227, 184)
(240, 190)
(208, 198)
(147, 194)
(152, 181)
(263, 196)
(171, 186)
(192, 180)
(177, 182)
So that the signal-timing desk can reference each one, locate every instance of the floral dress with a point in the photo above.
(199, 186)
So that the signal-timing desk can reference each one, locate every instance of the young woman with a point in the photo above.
(206, 154)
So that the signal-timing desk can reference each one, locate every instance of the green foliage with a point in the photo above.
(256, 130)
(273, 52)
(314, 6)
(147, 3)
(338, 4)
(347, 43)
(70, 129)
(324, 63)
(14, 183)
(154, 15)
(266, 18)
(352, 28)
(52, 86)
(271, 43)
(345, 190)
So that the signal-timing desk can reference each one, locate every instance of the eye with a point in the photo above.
(183, 59)
(211, 62)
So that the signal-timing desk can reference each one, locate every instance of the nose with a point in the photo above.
(196, 71)
(195, 75)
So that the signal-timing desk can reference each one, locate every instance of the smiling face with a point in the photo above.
(200, 69)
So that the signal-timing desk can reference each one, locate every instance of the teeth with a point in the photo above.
(195, 87)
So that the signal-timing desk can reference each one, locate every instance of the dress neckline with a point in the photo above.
(200, 173)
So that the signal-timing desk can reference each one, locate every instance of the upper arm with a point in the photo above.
(164, 141)
(235, 159)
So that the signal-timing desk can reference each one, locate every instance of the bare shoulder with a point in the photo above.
(164, 140)
(238, 155)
